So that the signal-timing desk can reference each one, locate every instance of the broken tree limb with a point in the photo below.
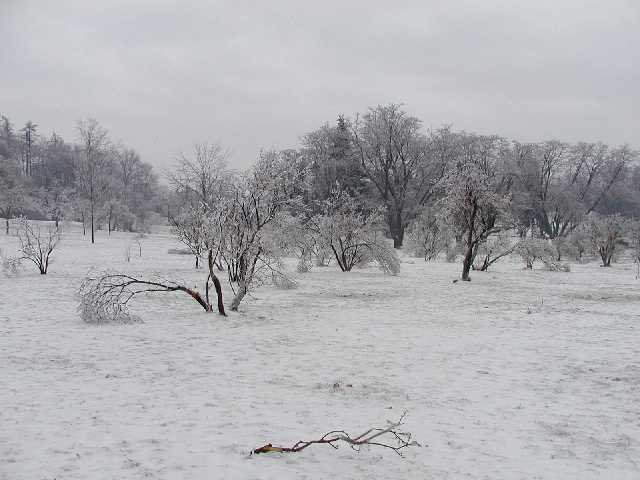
(373, 436)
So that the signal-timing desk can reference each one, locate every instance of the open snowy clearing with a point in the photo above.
(531, 375)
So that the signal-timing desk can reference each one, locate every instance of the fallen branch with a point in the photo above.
(373, 436)
(105, 297)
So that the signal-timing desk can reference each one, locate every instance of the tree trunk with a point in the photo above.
(466, 263)
(470, 253)
(197, 261)
(242, 291)
(396, 228)
(216, 284)
(93, 236)
(485, 264)
(7, 225)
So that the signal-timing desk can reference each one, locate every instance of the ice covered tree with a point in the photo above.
(634, 240)
(606, 234)
(28, 137)
(533, 249)
(395, 156)
(105, 296)
(54, 202)
(428, 235)
(92, 168)
(353, 235)
(558, 184)
(15, 194)
(258, 200)
(37, 243)
(200, 178)
(189, 227)
(332, 159)
(476, 195)
(495, 248)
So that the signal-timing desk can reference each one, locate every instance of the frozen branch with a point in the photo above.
(388, 437)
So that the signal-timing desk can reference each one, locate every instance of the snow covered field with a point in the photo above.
(516, 375)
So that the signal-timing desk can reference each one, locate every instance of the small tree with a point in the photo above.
(14, 191)
(36, 244)
(476, 195)
(534, 249)
(428, 235)
(634, 236)
(494, 249)
(256, 204)
(92, 166)
(354, 236)
(606, 234)
(578, 243)
(189, 228)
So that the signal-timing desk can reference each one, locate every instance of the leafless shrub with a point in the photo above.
(494, 249)
(557, 266)
(11, 266)
(606, 234)
(37, 244)
(634, 237)
(428, 236)
(353, 236)
(535, 249)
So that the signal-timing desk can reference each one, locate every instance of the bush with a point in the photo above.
(428, 236)
(557, 266)
(11, 266)
(534, 249)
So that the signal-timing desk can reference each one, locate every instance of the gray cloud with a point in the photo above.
(162, 75)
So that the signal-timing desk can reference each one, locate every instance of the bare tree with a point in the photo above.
(199, 179)
(476, 195)
(532, 249)
(395, 156)
(354, 236)
(559, 184)
(428, 235)
(28, 141)
(606, 234)
(634, 235)
(37, 244)
(93, 164)
(258, 200)
(189, 227)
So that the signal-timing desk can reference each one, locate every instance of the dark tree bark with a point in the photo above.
(216, 284)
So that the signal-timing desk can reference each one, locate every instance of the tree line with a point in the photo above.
(92, 179)
(348, 187)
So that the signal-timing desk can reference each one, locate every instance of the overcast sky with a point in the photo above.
(161, 75)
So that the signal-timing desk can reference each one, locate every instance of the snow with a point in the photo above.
(515, 375)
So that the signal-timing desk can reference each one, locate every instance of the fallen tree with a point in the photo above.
(105, 297)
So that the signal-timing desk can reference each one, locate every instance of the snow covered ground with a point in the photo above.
(516, 375)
